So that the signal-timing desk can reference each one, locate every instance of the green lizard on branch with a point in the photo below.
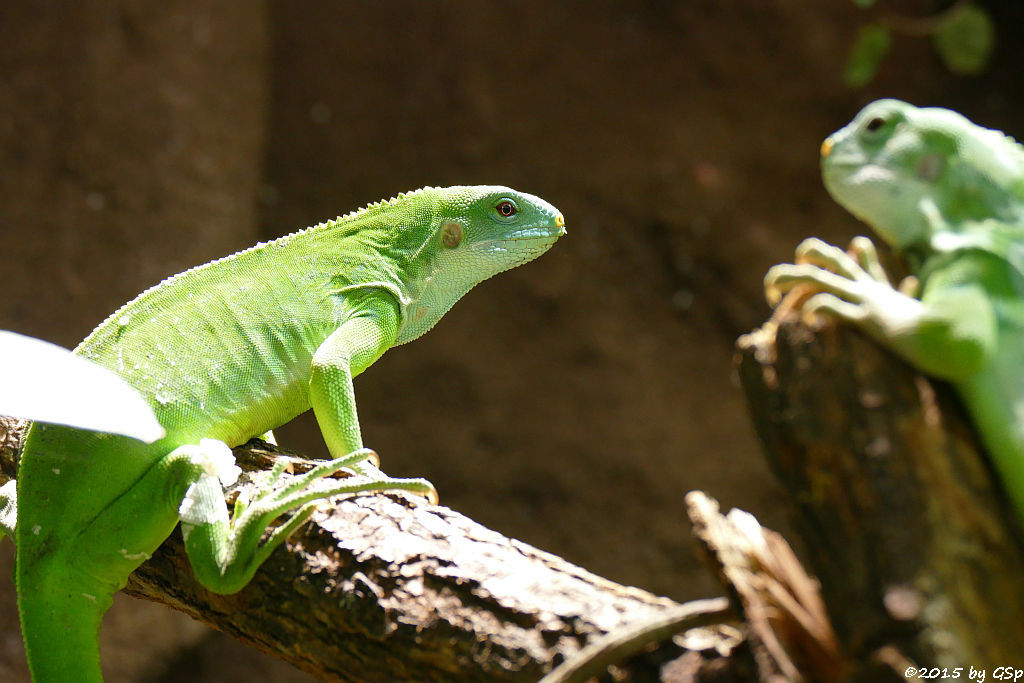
(948, 196)
(225, 352)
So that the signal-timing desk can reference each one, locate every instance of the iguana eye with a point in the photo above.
(506, 208)
(874, 124)
(451, 235)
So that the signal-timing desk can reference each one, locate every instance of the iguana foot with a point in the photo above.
(851, 286)
(225, 552)
(316, 485)
(826, 268)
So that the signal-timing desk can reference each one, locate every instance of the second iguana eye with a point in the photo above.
(506, 208)
(874, 124)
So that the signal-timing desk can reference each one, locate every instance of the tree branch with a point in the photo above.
(386, 587)
(918, 553)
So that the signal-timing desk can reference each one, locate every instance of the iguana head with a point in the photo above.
(475, 232)
(909, 172)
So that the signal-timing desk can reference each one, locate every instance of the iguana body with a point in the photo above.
(228, 351)
(949, 196)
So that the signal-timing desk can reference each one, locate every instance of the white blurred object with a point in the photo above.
(45, 382)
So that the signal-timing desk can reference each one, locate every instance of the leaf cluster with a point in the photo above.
(963, 35)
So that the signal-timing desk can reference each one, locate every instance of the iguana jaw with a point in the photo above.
(520, 246)
(541, 232)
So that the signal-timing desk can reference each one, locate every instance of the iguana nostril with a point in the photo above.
(826, 147)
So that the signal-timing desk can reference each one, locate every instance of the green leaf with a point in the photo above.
(866, 55)
(864, 4)
(44, 382)
(966, 40)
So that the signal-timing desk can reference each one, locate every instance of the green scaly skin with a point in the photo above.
(225, 352)
(949, 196)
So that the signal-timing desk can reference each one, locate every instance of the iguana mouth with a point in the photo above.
(529, 243)
(862, 174)
(843, 158)
(537, 232)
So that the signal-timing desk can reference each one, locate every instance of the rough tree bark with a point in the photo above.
(918, 552)
(386, 587)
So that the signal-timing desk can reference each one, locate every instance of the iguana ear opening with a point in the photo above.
(930, 167)
(451, 235)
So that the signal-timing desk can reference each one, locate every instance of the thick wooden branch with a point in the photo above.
(386, 587)
(918, 553)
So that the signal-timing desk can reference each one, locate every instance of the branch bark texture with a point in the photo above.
(389, 588)
(917, 550)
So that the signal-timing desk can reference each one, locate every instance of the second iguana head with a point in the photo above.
(899, 167)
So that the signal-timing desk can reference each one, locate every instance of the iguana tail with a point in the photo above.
(60, 622)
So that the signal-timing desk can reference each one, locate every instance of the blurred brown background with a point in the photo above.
(570, 403)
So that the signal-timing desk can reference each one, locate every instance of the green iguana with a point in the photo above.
(949, 196)
(225, 352)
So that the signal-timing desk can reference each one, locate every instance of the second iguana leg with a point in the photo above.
(948, 332)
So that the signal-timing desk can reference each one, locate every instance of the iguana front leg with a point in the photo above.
(369, 331)
(226, 552)
(949, 332)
